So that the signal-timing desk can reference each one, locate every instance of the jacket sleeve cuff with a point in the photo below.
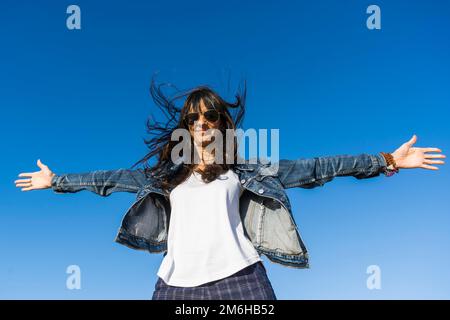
(56, 183)
(379, 161)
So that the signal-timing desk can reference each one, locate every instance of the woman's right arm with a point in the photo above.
(101, 182)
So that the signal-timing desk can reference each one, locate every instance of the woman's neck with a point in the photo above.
(205, 158)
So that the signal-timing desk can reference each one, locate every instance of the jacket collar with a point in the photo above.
(242, 165)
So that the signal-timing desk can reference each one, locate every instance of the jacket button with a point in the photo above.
(243, 181)
(261, 190)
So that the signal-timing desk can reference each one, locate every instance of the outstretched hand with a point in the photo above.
(38, 180)
(410, 157)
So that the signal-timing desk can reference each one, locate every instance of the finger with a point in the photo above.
(431, 149)
(40, 164)
(435, 155)
(26, 184)
(26, 174)
(412, 140)
(434, 161)
(425, 166)
(27, 189)
(22, 180)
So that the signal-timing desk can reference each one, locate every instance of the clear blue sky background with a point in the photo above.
(78, 100)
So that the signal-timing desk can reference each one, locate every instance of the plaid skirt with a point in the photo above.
(250, 283)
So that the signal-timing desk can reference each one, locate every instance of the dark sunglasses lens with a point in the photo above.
(191, 118)
(211, 115)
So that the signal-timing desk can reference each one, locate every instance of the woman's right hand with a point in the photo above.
(37, 180)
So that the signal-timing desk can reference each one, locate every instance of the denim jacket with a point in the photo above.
(264, 206)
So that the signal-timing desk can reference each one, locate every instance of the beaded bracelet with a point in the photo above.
(391, 166)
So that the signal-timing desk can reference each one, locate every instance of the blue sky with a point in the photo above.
(78, 100)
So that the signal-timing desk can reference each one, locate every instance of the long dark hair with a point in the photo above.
(160, 143)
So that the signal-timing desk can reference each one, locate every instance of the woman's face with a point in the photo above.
(200, 127)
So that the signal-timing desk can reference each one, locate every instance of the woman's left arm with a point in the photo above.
(314, 172)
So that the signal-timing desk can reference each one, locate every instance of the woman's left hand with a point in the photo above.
(408, 156)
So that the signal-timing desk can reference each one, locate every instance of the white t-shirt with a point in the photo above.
(206, 239)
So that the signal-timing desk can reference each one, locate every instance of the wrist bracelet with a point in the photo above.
(391, 166)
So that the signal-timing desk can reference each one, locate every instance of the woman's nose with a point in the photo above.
(201, 124)
(202, 121)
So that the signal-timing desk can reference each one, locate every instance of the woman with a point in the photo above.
(222, 214)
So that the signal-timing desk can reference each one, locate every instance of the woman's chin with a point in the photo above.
(204, 141)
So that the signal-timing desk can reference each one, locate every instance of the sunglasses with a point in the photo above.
(210, 116)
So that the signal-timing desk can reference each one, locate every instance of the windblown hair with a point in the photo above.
(160, 143)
